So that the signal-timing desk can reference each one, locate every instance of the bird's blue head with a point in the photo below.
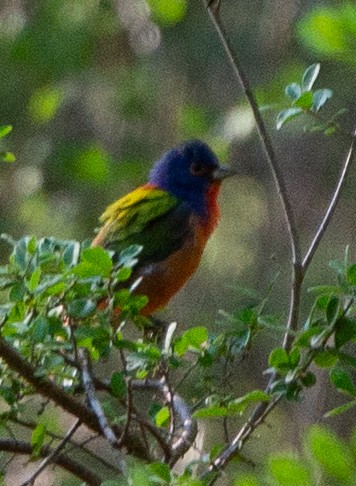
(187, 172)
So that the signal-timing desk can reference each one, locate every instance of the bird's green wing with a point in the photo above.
(149, 217)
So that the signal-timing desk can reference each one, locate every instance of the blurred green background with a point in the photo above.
(96, 90)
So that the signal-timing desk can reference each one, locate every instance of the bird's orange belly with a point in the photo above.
(162, 280)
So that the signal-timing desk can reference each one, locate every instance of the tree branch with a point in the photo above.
(55, 393)
(331, 208)
(74, 467)
(53, 455)
(214, 13)
(95, 406)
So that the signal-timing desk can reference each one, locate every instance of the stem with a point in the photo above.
(331, 208)
(261, 128)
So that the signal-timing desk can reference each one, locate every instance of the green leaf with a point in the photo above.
(308, 379)
(17, 313)
(279, 359)
(37, 439)
(123, 274)
(293, 91)
(212, 411)
(162, 417)
(309, 77)
(342, 381)
(320, 97)
(287, 115)
(32, 245)
(325, 289)
(294, 357)
(81, 308)
(168, 13)
(160, 471)
(341, 409)
(305, 100)
(289, 471)
(17, 292)
(4, 130)
(71, 254)
(239, 404)
(332, 454)
(351, 274)
(8, 157)
(118, 384)
(35, 279)
(326, 359)
(332, 310)
(194, 338)
(94, 262)
(39, 329)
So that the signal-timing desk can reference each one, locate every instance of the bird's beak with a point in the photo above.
(222, 172)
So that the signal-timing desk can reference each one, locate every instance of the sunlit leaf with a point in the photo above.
(341, 409)
(332, 454)
(167, 12)
(162, 417)
(4, 130)
(289, 471)
(38, 438)
(320, 97)
(287, 115)
(310, 75)
(305, 100)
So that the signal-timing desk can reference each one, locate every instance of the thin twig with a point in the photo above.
(213, 11)
(52, 456)
(331, 208)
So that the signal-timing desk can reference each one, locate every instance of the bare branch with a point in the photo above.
(189, 425)
(95, 406)
(54, 454)
(74, 467)
(213, 8)
(331, 208)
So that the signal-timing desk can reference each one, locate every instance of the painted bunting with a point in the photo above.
(172, 217)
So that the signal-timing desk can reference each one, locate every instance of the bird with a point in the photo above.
(172, 217)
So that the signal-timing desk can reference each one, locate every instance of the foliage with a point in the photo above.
(54, 291)
(306, 101)
(60, 328)
(6, 156)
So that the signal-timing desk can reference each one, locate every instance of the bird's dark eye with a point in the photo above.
(198, 169)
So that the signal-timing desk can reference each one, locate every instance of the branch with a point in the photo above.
(53, 455)
(95, 406)
(55, 393)
(181, 410)
(213, 10)
(74, 467)
(73, 444)
(213, 7)
(331, 208)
